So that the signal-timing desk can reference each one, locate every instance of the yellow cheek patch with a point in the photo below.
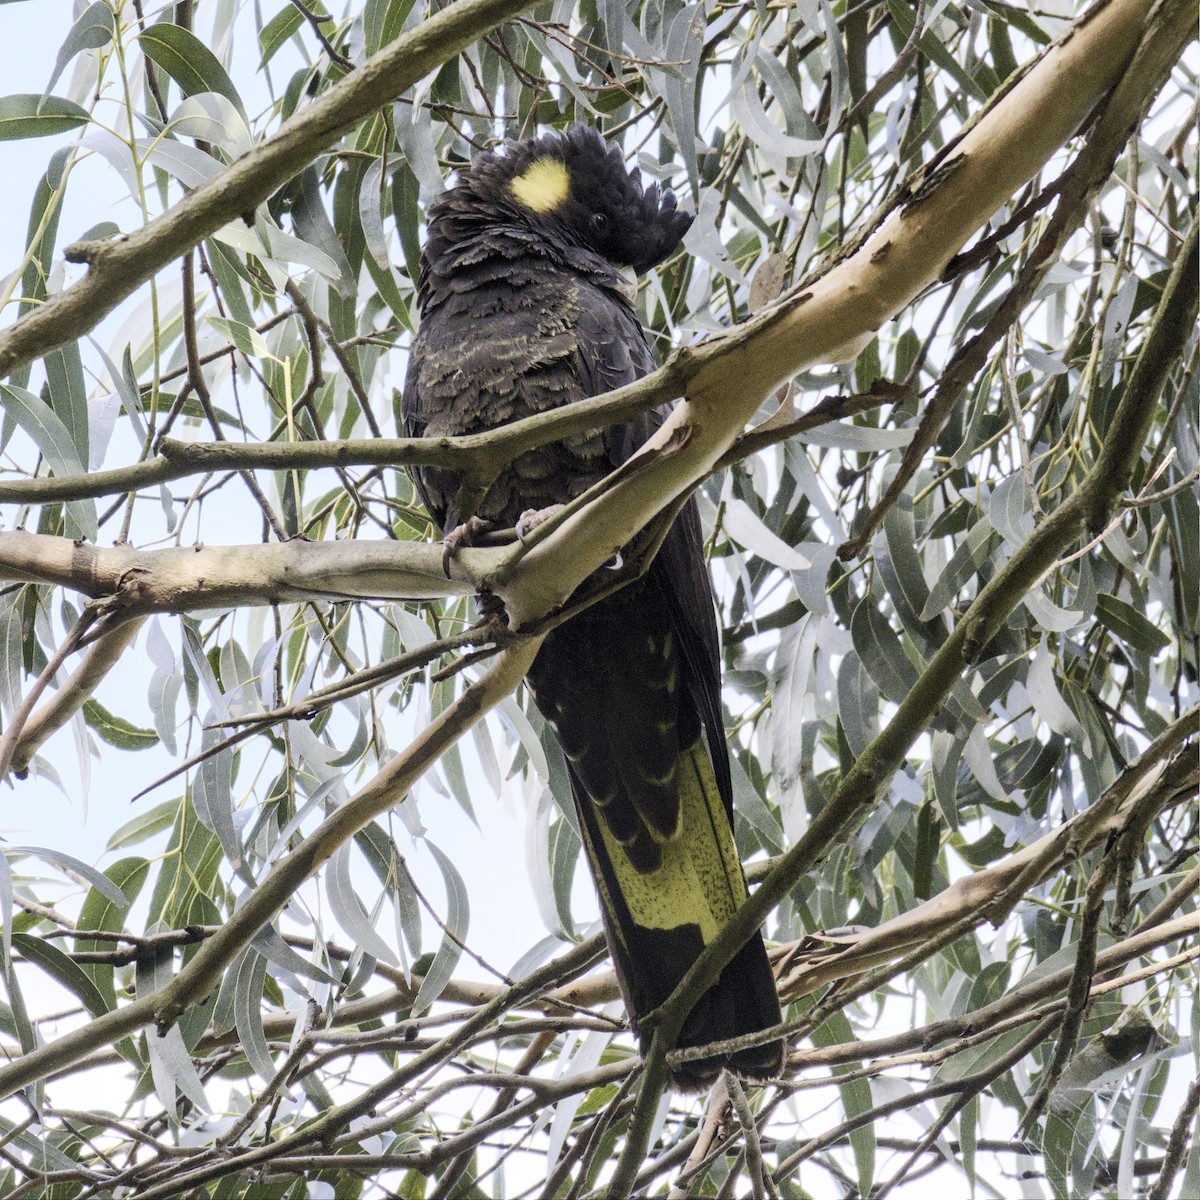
(543, 185)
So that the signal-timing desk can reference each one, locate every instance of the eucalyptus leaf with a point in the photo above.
(172, 1068)
(29, 116)
(188, 61)
(55, 442)
(458, 915)
(74, 867)
(93, 28)
(349, 910)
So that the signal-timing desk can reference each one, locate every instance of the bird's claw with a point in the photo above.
(531, 518)
(462, 535)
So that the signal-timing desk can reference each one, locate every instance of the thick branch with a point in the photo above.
(1078, 185)
(182, 579)
(815, 962)
(1085, 508)
(1001, 151)
(730, 374)
(1019, 1002)
(479, 456)
(100, 658)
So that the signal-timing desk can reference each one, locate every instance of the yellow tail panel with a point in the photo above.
(700, 879)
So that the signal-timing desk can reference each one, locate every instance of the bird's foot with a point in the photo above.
(491, 608)
(531, 518)
(463, 535)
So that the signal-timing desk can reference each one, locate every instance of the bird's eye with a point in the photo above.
(599, 220)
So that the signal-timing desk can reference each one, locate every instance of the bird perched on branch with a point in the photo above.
(524, 308)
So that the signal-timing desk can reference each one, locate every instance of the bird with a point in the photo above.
(525, 305)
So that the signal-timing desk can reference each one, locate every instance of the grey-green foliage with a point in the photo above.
(784, 125)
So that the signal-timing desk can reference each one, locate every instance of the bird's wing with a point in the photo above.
(612, 351)
(421, 407)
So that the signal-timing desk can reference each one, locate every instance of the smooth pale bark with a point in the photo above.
(186, 578)
(724, 381)
(727, 377)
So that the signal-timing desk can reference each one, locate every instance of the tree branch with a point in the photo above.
(978, 625)
(728, 375)
(100, 658)
(118, 267)
(202, 972)
(997, 154)
(814, 962)
(1076, 188)
(180, 579)
(479, 457)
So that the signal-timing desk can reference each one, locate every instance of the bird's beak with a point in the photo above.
(629, 288)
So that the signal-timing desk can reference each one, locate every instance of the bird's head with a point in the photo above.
(573, 186)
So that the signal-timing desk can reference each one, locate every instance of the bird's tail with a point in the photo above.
(659, 920)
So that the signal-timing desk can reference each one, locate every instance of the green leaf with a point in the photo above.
(933, 49)
(458, 913)
(279, 28)
(10, 651)
(245, 337)
(792, 671)
(349, 910)
(1130, 625)
(412, 1186)
(74, 868)
(858, 703)
(40, 239)
(383, 22)
(900, 570)
(406, 211)
(1183, 515)
(392, 871)
(970, 553)
(929, 845)
(68, 394)
(95, 28)
(564, 855)
(451, 760)
(117, 731)
(188, 61)
(101, 911)
(185, 880)
(596, 1099)
(6, 912)
(51, 437)
(1056, 1151)
(37, 1145)
(856, 1099)
(250, 975)
(145, 825)
(968, 1130)
(64, 970)
(26, 116)
(881, 652)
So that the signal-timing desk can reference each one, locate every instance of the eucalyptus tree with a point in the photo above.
(932, 352)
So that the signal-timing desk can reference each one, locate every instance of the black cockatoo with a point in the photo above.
(523, 308)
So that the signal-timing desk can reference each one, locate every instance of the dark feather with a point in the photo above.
(523, 311)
